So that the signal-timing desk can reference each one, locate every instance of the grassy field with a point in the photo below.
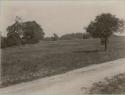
(47, 58)
(115, 85)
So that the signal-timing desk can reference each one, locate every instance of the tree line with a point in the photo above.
(69, 36)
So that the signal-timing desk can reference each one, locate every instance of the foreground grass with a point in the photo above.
(115, 85)
(54, 57)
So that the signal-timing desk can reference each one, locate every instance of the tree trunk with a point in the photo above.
(106, 40)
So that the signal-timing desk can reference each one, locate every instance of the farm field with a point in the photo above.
(47, 58)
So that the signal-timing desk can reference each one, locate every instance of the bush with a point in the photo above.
(115, 85)
(86, 35)
(13, 39)
(48, 38)
(3, 42)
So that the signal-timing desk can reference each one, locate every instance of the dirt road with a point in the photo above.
(71, 83)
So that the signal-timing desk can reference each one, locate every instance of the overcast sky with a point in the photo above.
(58, 16)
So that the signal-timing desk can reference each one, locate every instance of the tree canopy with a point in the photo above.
(28, 32)
(104, 26)
(32, 31)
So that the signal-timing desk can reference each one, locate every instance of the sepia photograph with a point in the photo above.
(62, 47)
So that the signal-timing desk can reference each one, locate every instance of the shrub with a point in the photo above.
(115, 85)
(13, 39)
(3, 42)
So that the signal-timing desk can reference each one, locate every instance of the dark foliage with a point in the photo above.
(13, 39)
(104, 26)
(24, 33)
(32, 32)
(3, 42)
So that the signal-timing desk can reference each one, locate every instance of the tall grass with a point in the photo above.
(47, 58)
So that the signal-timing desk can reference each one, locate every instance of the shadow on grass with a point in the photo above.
(88, 51)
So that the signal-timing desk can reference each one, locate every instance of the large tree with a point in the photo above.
(104, 26)
(32, 32)
(27, 32)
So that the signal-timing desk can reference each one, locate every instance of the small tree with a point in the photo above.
(104, 26)
(55, 37)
